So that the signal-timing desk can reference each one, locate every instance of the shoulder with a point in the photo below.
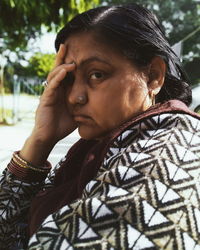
(168, 136)
(157, 126)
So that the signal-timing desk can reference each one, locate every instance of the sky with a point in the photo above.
(43, 44)
(46, 43)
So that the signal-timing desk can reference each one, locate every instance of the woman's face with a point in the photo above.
(114, 90)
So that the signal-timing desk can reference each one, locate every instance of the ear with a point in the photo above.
(156, 75)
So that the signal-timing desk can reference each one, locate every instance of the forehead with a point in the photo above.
(85, 44)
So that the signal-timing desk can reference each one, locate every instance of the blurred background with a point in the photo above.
(27, 33)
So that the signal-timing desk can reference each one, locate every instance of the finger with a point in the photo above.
(52, 74)
(61, 74)
(60, 55)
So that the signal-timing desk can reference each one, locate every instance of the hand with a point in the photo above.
(53, 121)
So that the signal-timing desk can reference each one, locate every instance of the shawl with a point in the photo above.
(82, 163)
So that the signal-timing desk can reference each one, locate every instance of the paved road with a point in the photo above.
(12, 138)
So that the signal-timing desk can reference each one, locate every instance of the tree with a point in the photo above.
(38, 67)
(40, 64)
(23, 19)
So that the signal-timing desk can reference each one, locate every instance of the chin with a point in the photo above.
(91, 134)
(87, 136)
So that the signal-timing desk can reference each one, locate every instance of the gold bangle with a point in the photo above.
(24, 164)
(18, 163)
(19, 158)
(28, 166)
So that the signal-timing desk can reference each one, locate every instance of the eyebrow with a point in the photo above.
(92, 59)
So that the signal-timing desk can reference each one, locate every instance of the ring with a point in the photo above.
(81, 99)
(45, 83)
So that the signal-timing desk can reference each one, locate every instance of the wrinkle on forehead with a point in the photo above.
(77, 44)
(86, 44)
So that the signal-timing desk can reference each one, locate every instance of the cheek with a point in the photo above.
(104, 111)
(133, 100)
(118, 101)
(111, 111)
(138, 93)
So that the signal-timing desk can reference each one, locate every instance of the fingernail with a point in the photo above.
(71, 63)
(61, 45)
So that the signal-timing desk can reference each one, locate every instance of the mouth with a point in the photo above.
(81, 118)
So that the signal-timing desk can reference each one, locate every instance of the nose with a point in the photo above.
(77, 93)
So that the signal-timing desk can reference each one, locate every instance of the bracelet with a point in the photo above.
(25, 171)
(27, 166)
(24, 164)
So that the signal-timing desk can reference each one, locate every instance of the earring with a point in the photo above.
(153, 100)
(152, 97)
(81, 99)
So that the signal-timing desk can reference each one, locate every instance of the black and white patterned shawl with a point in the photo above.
(146, 194)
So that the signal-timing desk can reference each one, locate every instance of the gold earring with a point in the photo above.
(153, 100)
(152, 97)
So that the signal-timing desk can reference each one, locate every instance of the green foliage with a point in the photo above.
(40, 64)
(22, 19)
(38, 67)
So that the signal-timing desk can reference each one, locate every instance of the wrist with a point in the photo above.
(26, 171)
(36, 151)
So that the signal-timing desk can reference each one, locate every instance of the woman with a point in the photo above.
(132, 181)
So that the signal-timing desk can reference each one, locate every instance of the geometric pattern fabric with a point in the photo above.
(146, 194)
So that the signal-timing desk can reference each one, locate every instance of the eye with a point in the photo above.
(96, 75)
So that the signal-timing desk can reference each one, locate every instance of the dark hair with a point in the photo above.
(134, 31)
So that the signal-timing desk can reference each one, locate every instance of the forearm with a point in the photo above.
(36, 151)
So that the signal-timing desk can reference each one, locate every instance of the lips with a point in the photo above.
(81, 118)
